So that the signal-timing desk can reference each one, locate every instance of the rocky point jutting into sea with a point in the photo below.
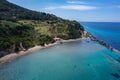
(102, 43)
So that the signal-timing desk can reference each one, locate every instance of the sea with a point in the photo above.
(80, 60)
(109, 32)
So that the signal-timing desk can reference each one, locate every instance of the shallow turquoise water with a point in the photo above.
(81, 60)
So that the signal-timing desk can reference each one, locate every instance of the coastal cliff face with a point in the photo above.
(21, 28)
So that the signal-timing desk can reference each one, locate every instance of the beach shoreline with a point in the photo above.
(13, 56)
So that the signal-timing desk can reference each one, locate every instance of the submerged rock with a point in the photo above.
(75, 66)
(88, 64)
(118, 70)
(116, 75)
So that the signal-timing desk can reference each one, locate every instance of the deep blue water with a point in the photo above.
(109, 32)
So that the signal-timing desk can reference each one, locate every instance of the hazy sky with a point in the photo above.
(80, 10)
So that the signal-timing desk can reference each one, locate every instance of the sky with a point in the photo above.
(80, 10)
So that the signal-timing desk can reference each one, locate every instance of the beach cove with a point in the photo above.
(12, 56)
(86, 34)
(82, 59)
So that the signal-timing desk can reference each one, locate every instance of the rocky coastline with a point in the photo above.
(93, 38)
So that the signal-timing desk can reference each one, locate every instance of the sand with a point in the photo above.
(12, 56)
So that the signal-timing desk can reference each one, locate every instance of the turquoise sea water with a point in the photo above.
(109, 32)
(81, 60)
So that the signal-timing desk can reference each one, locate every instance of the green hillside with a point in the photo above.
(10, 11)
(22, 28)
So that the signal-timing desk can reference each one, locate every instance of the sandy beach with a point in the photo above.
(12, 56)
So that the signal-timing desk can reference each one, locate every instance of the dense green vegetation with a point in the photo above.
(21, 28)
(10, 11)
